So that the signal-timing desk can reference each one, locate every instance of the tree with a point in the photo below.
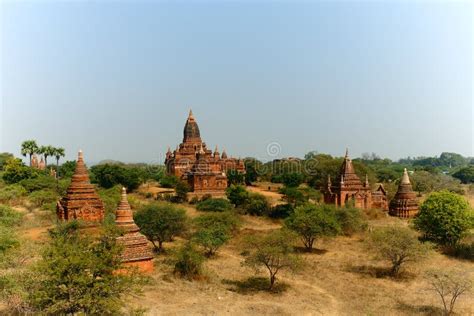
(449, 285)
(182, 189)
(273, 251)
(214, 205)
(46, 151)
(312, 221)
(235, 177)
(188, 261)
(161, 222)
(4, 157)
(256, 204)
(466, 175)
(15, 171)
(444, 218)
(58, 152)
(237, 195)
(29, 147)
(77, 275)
(399, 245)
(293, 196)
(214, 230)
(351, 220)
(292, 180)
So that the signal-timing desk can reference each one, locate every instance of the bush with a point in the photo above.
(444, 218)
(235, 177)
(313, 221)
(111, 198)
(12, 194)
(257, 205)
(42, 197)
(211, 237)
(161, 222)
(466, 174)
(182, 189)
(214, 205)
(281, 211)
(273, 251)
(237, 195)
(15, 171)
(169, 181)
(109, 175)
(188, 262)
(8, 239)
(398, 245)
(41, 182)
(9, 217)
(292, 180)
(228, 219)
(350, 220)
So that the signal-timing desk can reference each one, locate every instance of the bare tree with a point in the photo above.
(449, 285)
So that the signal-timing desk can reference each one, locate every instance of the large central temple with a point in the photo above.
(203, 169)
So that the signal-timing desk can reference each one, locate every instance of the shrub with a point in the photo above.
(293, 196)
(9, 217)
(8, 239)
(188, 262)
(15, 171)
(351, 220)
(235, 177)
(273, 251)
(214, 205)
(312, 221)
(161, 222)
(444, 218)
(182, 189)
(169, 181)
(41, 182)
(398, 245)
(237, 195)
(281, 211)
(257, 205)
(109, 175)
(42, 197)
(111, 198)
(12, 194)
(211, 237)
(466, 174)
(292, 180)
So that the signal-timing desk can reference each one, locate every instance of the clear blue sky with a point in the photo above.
(116, 79)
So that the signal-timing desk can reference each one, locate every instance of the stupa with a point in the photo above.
(81, 201)
(136, 250)
(404, 204)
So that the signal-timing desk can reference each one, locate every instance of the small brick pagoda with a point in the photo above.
(404, 204)
(350, 188)
(204, 170)
(81, 201)
(136, 252)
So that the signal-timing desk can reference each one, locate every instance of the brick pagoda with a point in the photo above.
(81, 201)
(204, 170)
(136, 252)
(404, 204)
(349, 187)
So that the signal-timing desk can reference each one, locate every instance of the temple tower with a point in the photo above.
(81, 201)
(137, 251)
(404, 204)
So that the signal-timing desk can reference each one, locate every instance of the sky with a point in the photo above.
(264, 79)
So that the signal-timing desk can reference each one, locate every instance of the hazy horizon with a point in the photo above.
(117, 79)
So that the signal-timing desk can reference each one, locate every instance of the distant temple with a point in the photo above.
(349, 189)
(404, 204)
(37, 164)
(81, 201)
(204, 170)
(136, 250)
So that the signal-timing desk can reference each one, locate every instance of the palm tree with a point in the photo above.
(47, 151)
(29, 147)
(58, 153)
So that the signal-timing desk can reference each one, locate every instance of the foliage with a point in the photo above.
(293, 196)
(449, 285)
(281, 211)
(235, 177)
(399, 245)
(273, 251)
(312, 221)
(111, 198)
(252, 168)
(444, 218)
(66, 170)
(169, 181)
(41, 182)
(237, 195)
(109, 175)
(46, 151)
(211, 232)
(351, 220)
(9, 217)
(42, 197)
(256, 204)
(4, 157)
(77, 275)
(160, 222)
(8, 239)
(182, 189)
(214, 205)
(15, 171)
(29, 147)
(292, 180)
(426, 182)
(12, 194)
(466, 175)
(188, 262)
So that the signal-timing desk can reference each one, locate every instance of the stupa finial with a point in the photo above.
(405, 178)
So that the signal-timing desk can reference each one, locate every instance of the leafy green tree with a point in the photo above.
(292, 180)
(182, 189)
(213, 230)
(66, 170)
(466, 174)
(237, 195)
(444, 218)
(15, 171)
(398, 245)
(4, 157)
(293, 196)
(256, 204)
(109, 175)
(77, 275)
(313, 221)
(29, 147)
(272, 251)
(235, 177)
(169, 181)
(41, 182)
(188, 261)
(161, 222)
(281, 211)
(8, 239)
(350, 219)
(214, 205)
(252, 168)
(47, 151)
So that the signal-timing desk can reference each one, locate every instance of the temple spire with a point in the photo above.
(347, 153)
(190, 116)
(405, 178)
